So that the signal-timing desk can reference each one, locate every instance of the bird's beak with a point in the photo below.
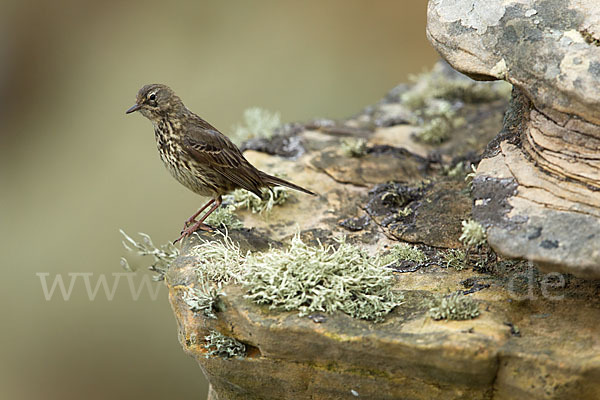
(134, 108)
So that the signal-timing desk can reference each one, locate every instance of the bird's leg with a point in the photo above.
(200, 225)
(193, 217)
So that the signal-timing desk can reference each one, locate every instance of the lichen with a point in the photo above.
(589, 37)
(455, 258)
(203, 300)
(436, 98)
(258, 123)
(163, 256)
(243, 199)
(473, 234)
(219, 345)
(402, 252)
(321, 279)
(224, 217)
(352, 147)
(455, 306)
(218, 261)
(432, 86)
(404, 212)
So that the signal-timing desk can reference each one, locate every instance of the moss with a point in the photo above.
(473, 234)
(456, 306)
(163, 256)
(402, 252)
(456, 259)
(224, 217)
(321, 279)
(219, 345)
(243, 199)
(203, 300)
(218, 261)
(258, 123)
(354, 147)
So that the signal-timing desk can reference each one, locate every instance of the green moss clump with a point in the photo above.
(456, 259)
(163, 256)
(224, 217)
(354, 147)
(218, 261)
(219, 345)
(402, 252)
(473, 234)
(456, 306)
(321, 279)
(243, 199)
(258, 123)
(203, 300)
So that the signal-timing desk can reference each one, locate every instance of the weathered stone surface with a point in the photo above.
(532, 214)
(545, 165)
(537, 336)
(549, 48)
(553, 351)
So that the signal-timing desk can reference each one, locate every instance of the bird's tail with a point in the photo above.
(273, 180)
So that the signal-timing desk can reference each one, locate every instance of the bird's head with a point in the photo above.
(156, 101)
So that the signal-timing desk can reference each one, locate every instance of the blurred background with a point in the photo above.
(74, 168)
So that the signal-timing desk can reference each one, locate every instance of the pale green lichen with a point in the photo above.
(404, 212)
(436, 98)
(402, 252)
(219, 261)
(163, 256)
(219, 345)
(258, 123)
(203, 300)
(352, 147)
(473, 234)
(436, 85)
(243, 199)
(224, 217)
(456, 259)
(455, 306)
(321, 279)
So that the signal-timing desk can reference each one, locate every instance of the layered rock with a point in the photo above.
(538, 190)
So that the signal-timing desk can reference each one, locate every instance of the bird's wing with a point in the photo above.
(211, 148)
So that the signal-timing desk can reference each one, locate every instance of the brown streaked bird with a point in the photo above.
(199, 156)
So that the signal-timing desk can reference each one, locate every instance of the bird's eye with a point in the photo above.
(152, 97)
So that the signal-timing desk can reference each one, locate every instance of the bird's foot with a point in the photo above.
(198, 226)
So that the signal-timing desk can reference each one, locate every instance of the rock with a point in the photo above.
(548, 48)
(554, 355)
(536, 335)
(538, 190)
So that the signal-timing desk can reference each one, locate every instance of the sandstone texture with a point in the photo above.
(536, 336)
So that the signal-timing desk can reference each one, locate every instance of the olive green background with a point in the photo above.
(74, 168)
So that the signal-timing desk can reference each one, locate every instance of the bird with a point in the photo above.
(198, 155)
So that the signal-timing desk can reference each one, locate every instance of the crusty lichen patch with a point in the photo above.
(403, 252)
(219, 345)
(218, 261)
(455, 306)
(243, 199)
(258, 122)
(473, 234)
(321, 279)
(203, 300)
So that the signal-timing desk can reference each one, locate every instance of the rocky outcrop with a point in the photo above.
(521, 335)
(538, 189)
